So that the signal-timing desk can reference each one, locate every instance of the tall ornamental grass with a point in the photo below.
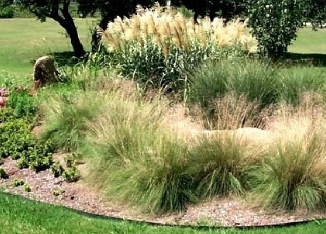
(159, 45)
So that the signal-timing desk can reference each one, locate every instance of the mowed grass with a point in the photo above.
(18, 215)
(309, 41)
(23, 40)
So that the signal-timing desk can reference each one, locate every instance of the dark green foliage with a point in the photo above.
(19, 142)
(18, 182)
(72, 174)
(22, 104)
(7, 12)
(315, 12)
(3, 174)
(275, 24)
(57, 169)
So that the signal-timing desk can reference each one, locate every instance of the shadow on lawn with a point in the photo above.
(65, 58)
(317, 60)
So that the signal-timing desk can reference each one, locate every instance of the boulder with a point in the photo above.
(44, 72)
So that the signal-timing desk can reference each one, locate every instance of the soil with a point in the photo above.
(230, 211)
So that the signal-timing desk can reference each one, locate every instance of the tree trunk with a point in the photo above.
(75, 41)
(96, 38)
(67, 22)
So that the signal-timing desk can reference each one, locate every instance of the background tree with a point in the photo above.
(275, 24)
(227, 9)
(58, 10)
(109, 10)
(5, 3)
(315, 12)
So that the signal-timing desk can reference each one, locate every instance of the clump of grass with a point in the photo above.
(292, 175)
(159, 45)
(65, 119)
(250, 78)
(233, 111)
(221, 163)
(296, 82)
(135, 160)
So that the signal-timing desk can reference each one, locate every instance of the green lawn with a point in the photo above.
(309, 42)
(18, 215)
(23, 40)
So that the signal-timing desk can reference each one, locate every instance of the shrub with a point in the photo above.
(72, 174)
(275, 24)
(57, 169)
(18, 141)
(7, 12)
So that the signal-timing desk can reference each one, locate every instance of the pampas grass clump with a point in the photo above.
(159, 45)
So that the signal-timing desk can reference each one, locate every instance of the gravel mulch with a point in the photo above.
(229, 211)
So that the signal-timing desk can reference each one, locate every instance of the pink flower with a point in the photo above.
(2, 91)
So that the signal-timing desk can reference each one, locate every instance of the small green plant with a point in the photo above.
(22, 103)
(57, 169)
(22, 163)
(27, 188)
(18, 182)
(71, 174)
(39, 163)
(57, 192)
(70, 160)
(3, 174)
